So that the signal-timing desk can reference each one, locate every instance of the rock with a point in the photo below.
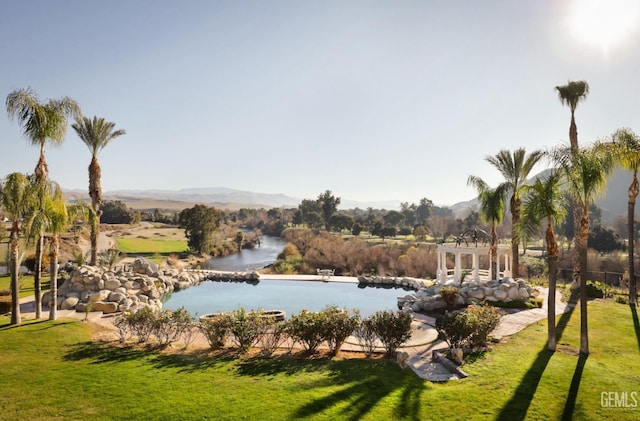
(403, 359)
(112, 284)
(514, 293)
(500, 294)
(99, 296)
(524, 294)
(116, 297)
(106, 308)
(69, 303)
(476, 293)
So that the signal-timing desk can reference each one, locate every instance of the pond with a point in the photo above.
(249, 259)
(292, 296)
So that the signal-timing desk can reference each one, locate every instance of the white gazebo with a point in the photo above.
(446, 275)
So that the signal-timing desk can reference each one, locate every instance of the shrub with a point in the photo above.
(470, 328)
(392, 328)
(307, 328)
(141, 323)
(215, 329)
(367, 336)
(185, 324)
(246, 327)
(449, 295)
(170, 325)
(453, 329)
(338, 324)
(484, 319)
(272, 336)
(123, 328)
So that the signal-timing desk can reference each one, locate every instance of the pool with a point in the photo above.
(288, 295)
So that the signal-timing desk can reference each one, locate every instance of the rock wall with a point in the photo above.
(144, 286)
(507, 289)
(408, 283)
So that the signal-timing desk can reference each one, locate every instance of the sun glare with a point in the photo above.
(604, 23)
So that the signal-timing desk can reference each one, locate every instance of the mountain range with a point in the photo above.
(612, 203)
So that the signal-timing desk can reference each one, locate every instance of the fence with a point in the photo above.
(611, 279)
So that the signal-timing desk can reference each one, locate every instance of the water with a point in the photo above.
(249, 259)
(287, 295)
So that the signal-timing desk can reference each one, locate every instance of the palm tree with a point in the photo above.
(626, 147)
(35, 228)
(572, 94)
(57, 223)
(515, 168)
(41, 124)
(96, 134)
(586, 172)
(16, 193)
(491, 211)
(544, 200)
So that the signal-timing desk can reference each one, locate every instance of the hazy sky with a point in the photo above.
(374, 100)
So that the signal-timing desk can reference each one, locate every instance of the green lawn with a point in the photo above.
(26, 284)
(51, 370)
(151, 245)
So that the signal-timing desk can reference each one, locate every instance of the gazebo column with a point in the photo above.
(442, 265)
(456, 271)
(497, 267)
(476, 266)
(507, 265)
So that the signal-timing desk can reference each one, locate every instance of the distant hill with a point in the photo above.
(220, 197)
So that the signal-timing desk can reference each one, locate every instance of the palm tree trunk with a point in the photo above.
(494, 252)
(42, 169)
(15, 280)
(515, 239)
(552, 253)
(573, 132)
(584, 236)
(577, 209)
(634, 189)
(53, 270)
(37, 276)
(577, 247)
(95, 191)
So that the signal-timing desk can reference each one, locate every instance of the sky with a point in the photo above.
(373, 100)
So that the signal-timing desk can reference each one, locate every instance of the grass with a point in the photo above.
(51, 370)
(26, 284)
(150, 245)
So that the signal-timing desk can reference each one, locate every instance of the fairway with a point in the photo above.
(518, 379)
(151, 240)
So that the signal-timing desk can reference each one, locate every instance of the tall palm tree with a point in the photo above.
(626, 147)
(492, 206)
(515, 168)
(16, 195)
(544, 200)
(572, 94)
(41, 123)
(586, 172)
(96, 134)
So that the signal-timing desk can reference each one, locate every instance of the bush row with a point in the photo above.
(246, 329)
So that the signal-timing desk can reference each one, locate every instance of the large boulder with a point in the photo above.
(104, 307)
(69, 303)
